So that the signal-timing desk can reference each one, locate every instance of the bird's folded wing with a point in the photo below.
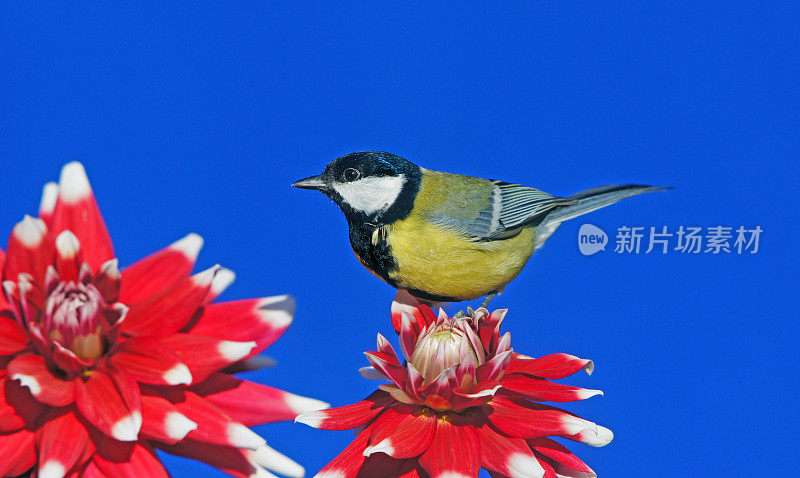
(500, 211)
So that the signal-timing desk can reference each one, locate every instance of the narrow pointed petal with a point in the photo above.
(262, 320)
(48, 202)
(222, 280)
(553, 366)
(524, 419)
(543, 390)
(507, 456)
(229, 459)
(161, 270)
(215, 426)
(163, 422)
(12, 336)
(170, 310)
(559, 453)
(63, 443)
(113, 405)
(206, 355)
(17, 453)
(601, 436)
(149, 361)
(277, 462)
(409, 438)
(76, 210)
(141, 462)
(69, 256)
(348, 416)
(30, 250)
(108, 280)
(251, 403)
(388, 366)
(348, 463)
(439, 461)
(31, 372)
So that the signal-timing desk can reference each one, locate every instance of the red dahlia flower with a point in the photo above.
(99, 367)
(461, 401)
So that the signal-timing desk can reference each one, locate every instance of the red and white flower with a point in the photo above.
(101, 366)
(462, 400)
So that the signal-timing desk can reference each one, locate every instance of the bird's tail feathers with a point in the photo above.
(588, 201)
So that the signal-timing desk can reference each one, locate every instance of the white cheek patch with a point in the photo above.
(370, 195)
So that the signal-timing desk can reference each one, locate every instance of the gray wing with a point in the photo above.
(505, 211)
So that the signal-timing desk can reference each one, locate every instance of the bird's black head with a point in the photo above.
(369, 186)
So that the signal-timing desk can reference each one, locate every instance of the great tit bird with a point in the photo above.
(445, 237)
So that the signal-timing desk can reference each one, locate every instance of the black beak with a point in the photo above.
(314, 182)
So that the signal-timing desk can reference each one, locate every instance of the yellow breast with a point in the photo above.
(433, 259)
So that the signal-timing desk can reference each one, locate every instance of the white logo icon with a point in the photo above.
(591, 240)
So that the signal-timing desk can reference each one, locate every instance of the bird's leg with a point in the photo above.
(491, 295)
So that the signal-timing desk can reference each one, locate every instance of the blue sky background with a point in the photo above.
(196, 117)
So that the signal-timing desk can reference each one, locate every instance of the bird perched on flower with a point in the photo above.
(446, 237)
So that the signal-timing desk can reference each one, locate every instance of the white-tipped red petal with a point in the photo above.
(232, 460)
(160, 270)
(600, 436)
(48, 202)
(214, 425)
(559, 454)
(409, 437)
(111, 402)
(30, 250)
(163, 422)
(439, 461)
(507, 456)
(63, 443)
(263, 320)
(251, 403)
(543, 390)
(348, 416)
(222, 280)
(206, 355)
(76, 210)
(68, 256)
(149, 361)
(523, 419)
(553, 366)
(31, 371)
(277, 462)
(169, 310)
(348, 463)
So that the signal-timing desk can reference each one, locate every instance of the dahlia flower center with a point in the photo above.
(446, 345)
(72, 318)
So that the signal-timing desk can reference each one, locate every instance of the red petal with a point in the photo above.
(48, 203)
(9, 419)
(214, 426)
(262, 320)
(170, 310)
(148, 361)
(252, 403)
(160, 271)
(139, 462)
(452, 434)
(111, 402)
(402, 432)
(76, 210)
(206, 355)
(162, 421)
(507, 456)
(69, 256)
(559, 454)
(348, 416)
(553, 366)
(30, 250)
(541, 389)
(17, 453)
(26, 407)
(31, 371)
(348, 463)
(63, 443)
(228, 459)
(12, 336)
(522, 419)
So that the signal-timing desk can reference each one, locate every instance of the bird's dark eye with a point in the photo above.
(351, 174)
